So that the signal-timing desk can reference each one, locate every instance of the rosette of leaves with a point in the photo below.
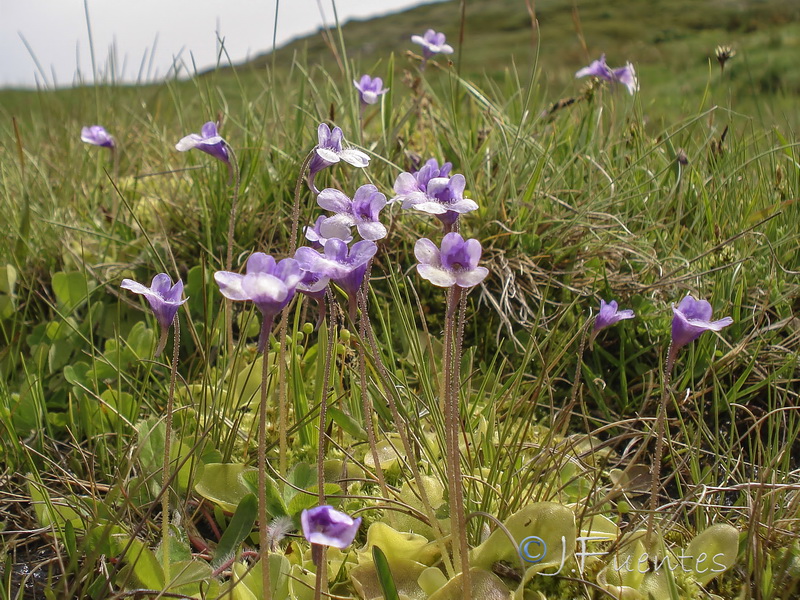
(639, 572)
(408, 556)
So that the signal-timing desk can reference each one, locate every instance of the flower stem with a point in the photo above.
(283, 445)
(233, 166)
(660, 428)
(318, 556)
(283, 437)
(452, 429)
(115, 175)
(263, 336)
(263, 532)
(162, 342)
(561, 422)
(460, 299)
(366, 404)
(401, 425)
(234, 169)
(323, 406)
(296, 205)
(165, 476)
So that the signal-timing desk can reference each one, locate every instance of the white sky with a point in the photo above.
(57, 34)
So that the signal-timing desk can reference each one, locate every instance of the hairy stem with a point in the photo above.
(389, 393)
(283, 428)
(233, 167)
(173, 375)
(366, 404)
(452, 429)
(460, 300)
(296, 205)
(660, 432)
(263, 525)
(561, 422)
(401, 424)
(318, 556)
(283, 444)
(323, 406)
(162, 342)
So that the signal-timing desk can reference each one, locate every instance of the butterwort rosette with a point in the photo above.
(455, 264)
(432, 42)
(97, 136)
(164, 298)
(363, 212)
(270, 285)
(208, 140)
(370, 89)
(330, 151)
(344, 266)
(326, 526)
(691, 318)
(609, 315)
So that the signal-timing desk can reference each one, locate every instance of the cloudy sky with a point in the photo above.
(56, 34)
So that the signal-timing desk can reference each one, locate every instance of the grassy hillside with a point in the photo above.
(671, 42)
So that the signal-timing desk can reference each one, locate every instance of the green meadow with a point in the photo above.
(494, 444)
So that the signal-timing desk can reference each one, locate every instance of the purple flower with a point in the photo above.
(691, 318)
(345, 267)
(625, 75)
(431, 190)
(432, 167)
(432, 42)
(208, 140)
(369, 89)
(598, 69)
(314, 233)
(455, 264)
(97, 136)
(362, 211)
(411, 186)
(609, 315)
(443, 196)
(326, 526)
(269, 285)
(164, 299)
(329, 151)
(315, 285)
